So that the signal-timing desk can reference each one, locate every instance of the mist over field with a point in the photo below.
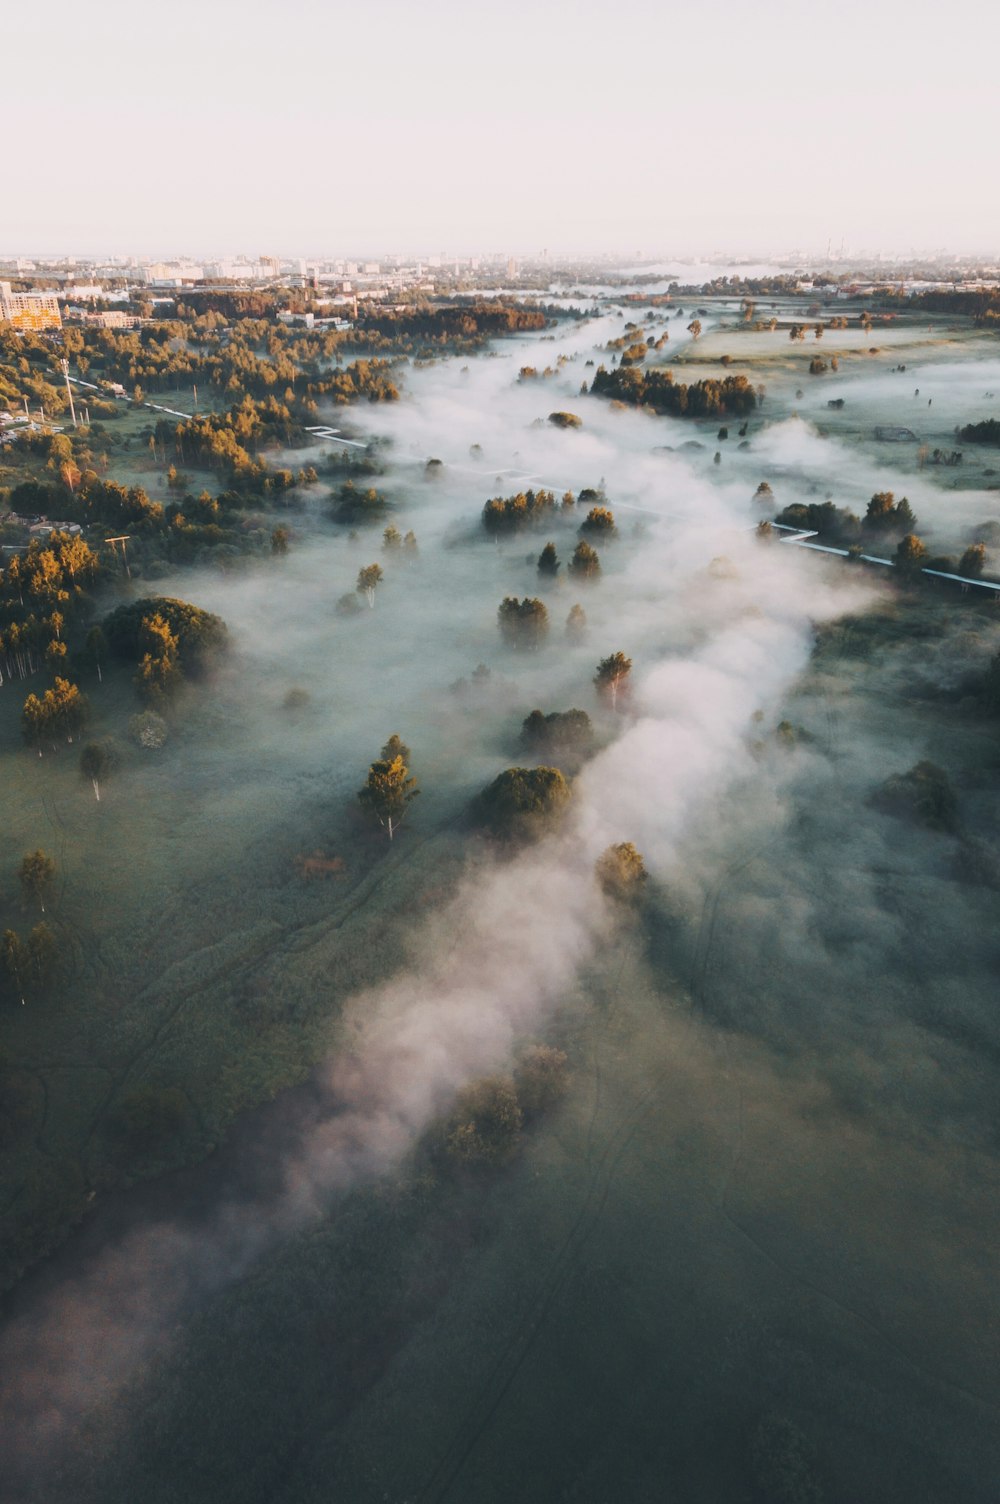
(798, 1033)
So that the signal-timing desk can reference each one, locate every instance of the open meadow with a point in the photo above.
(746, 1250)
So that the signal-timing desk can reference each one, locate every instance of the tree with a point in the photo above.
(911, 555)
(392, 540)
(279, 541)
(41, 956)
(97, 650)
(33, 722)
(612, 677)
(389, 788)
(523, 624)
(599, 521)
(586, 562)
(98, 760)
(14, 961)
(764, 494)
(576, 623)
(972, 561)
(620, 871)
(410, 547)
(523, 803)
(694, 329)
(565, 420)
(395, 747)
(159, 675)
(369, 579)
(765, 532)
(37, 873)
(548, 563)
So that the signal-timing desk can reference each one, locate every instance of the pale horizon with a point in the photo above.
(404, 131)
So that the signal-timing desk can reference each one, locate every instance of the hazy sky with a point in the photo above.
(301, 127)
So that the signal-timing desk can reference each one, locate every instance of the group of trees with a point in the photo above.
(395, 542)
(59, 714)
(986, 432)
(26, 964)
(357, 505)
(201, 637)
(733, 396)
(560, 731)
(522, 804)
(168, 640)
(511, 514)
(885, 519)
(485, 1126)
(523, 624)
(466, 321)
(886, 516)
(42, 591)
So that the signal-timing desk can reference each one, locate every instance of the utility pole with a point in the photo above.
(112, 542)
(69, 390)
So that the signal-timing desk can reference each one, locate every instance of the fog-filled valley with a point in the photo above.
(744, 1247)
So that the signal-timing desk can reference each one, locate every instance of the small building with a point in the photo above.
(44, 528)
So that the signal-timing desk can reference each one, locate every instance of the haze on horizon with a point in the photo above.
(213, 129)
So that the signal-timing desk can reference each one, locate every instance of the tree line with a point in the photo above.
(732, 396)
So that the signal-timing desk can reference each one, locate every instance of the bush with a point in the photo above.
(148, 730)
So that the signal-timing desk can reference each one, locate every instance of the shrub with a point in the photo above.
(148, 730)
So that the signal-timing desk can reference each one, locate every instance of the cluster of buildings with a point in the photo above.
(76, 281)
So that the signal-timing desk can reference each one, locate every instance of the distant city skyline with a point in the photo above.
(391, 128)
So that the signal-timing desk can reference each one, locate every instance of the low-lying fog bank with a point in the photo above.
(720, 629)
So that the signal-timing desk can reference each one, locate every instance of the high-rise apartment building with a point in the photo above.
(31, 311)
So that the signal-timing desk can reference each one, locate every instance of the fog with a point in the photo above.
(721, 630)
